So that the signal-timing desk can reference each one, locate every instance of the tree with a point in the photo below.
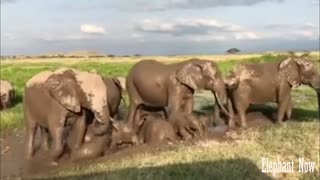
(233, 51)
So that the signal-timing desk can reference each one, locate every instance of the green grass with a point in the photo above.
(240, 159)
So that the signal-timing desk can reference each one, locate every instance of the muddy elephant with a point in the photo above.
(7, 94)
(95, 146)
(270, 82)
(188, 126)
(56, 99)
(155, 130)
(154, 84)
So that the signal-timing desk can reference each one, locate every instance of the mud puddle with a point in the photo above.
(15, 166)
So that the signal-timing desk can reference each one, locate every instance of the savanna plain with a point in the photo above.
(237, 159)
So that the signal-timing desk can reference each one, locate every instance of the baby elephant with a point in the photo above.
(154, 129)
(6, 94)
(95, 146)
(187, 125)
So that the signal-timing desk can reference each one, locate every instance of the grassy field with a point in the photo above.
(240, 159)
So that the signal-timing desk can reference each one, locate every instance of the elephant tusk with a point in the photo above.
(221, 106)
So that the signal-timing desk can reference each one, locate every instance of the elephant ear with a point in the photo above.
(289, 70)
(305, 63)
(189, 74)
(63, 89)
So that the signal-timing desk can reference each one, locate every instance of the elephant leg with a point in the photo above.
(113, 146)
(44, 138)
(282, 108)
(241, 106)
(31, 132)
(132, 115)
(188, 105)
(78, 131)
(174, 102)
(231, 121)
(217, 120)
(289, 110)
(4, 105)
(57, 147)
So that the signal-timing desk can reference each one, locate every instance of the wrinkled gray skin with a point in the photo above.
(154, 130)
(270, 82)
(7, 94)
(94, 146)
(187, 126)
(58, 113)
(154, 84)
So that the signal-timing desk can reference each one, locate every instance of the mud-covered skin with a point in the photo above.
(95, 146)
(187, 126)
(7, 94)
(155, 130)
(171, 85)
(64, 94)
(253, 84)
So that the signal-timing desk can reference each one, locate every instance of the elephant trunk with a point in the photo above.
(221, 105)
(99, 128)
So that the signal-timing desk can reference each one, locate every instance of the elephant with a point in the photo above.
(172, 85)
(7, 94)
(122, 81)
(94, 146)
(270, 82)
(55, 99)
(188, 126)
(155, 130)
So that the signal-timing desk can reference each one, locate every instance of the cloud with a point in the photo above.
(67, 37)
(7, 1)
(292, 31)
(195, 29)
(246, 35)
(316, 2)
(198, 4)
(92, 29)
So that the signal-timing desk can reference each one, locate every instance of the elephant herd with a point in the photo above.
(78, 109)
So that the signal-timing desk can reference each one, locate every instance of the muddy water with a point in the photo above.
(15, 166)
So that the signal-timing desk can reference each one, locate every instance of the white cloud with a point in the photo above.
(198, 29)
(291, 31)
(247, 35)
(207, 38)
(197, 4)
(92, 29)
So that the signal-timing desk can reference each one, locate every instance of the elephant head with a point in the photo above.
(299, 70)
(122, 134)
(75, 90)
(204, 74)
(302, 70)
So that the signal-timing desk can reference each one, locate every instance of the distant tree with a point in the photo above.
(233, 51)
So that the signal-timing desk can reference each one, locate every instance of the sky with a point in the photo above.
(158, 27)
